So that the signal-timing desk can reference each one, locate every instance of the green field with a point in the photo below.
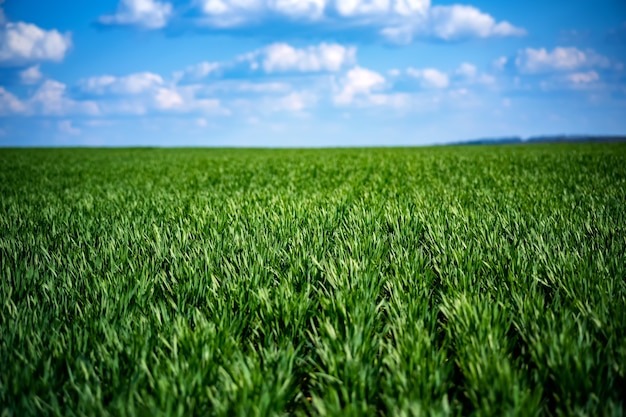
(402, 282)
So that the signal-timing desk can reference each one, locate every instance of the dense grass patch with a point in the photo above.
(400, 282)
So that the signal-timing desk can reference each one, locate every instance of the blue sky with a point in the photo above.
(308, 72)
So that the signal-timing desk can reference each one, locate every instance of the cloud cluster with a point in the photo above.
(198, 71)
(582, 78)
(149, 14)
(276, 58)
(284, 78)
(22, 43)
(186, 91)
(430, 77)
(66, 127)
(129, 85)
(301, 77)
(50, 99)
(224, 13)
(31, 75)
(535, 61)
(398, 21)
(141, 92)
(358, 83)
(282, 57)
(461, 21)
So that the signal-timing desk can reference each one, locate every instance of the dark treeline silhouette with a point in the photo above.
(540, 139)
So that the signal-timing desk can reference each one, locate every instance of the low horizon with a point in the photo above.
(498, 141)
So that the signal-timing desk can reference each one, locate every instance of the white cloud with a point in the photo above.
(580, 81)
(131, 84)
(9, 103)
(198, 71)
(469, 73)
(244, 87)
(400, 35)
(51, 99)
(500, 63)
(467, 70)
(141, 92)
(66, 127)
(149, 14)
(225, 13)
(230, 13)
(296, 101)
(580, 78)
(185, 100)
(176, 99)
(430, 77)
(394, 100)
(167, 99)
(362, 7)
(31, 75)
(411, 7)
(22, 43)
(459, 21)
(358, 82)
(281, 57)
(398, 21)
(311, 9)
(532, 61)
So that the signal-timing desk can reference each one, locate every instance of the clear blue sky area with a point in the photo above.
(308, 72)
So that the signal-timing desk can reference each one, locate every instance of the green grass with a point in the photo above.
(484, 281)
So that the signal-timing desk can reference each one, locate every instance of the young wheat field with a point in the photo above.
(483, 281)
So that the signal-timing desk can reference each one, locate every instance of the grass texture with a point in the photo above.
(486, 281)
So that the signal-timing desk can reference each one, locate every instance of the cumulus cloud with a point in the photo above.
(131, 84)
(467, 70)
(581, 81)
(51, 99)
(167, 99)
(358, 82)
(580, 78)
(198, 71)
(296, 101)
(243, 87)
(239, 12)
(22, 43)
(459, 21)
(533, 61)
(450, 23)
(10, 104)
(500, 63)
(430, 77)
(31, 75)
(281, 57)
(398, 21)
(66, 127)
(470, 74)
(275, 58)
(149, 14)
(140, 92)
